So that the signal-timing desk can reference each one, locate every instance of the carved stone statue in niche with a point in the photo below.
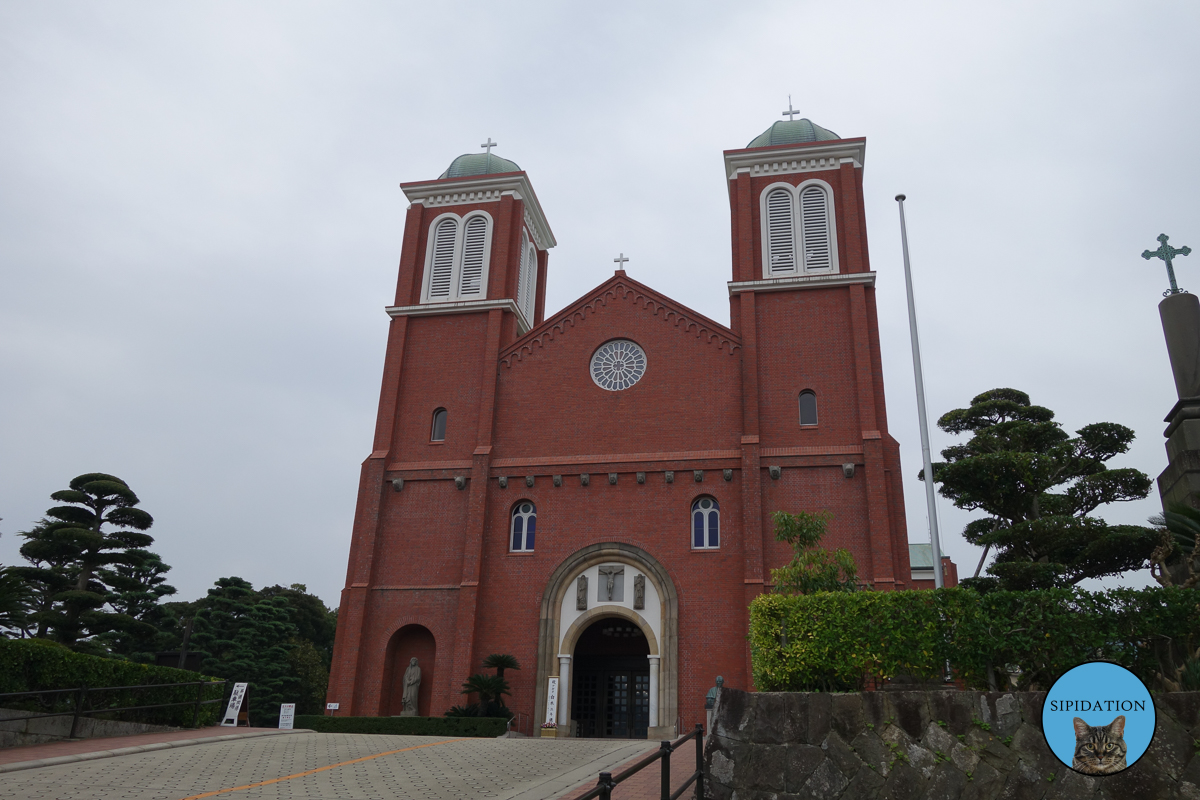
(412, 688)
(581, 593)
(612, 573)
(639, 591)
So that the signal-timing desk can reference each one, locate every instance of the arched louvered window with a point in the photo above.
(781, 234)
(441, 262)
(527, 277)
(456, 264)
(531, 284)
(438, 433)
(523, 527)
(706, 523)
(808, 408)
(471, 280)
(814, 214)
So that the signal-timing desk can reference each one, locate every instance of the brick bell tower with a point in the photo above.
(472, 279)
(803, 300)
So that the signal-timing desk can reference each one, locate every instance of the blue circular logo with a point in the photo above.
(1098, 718)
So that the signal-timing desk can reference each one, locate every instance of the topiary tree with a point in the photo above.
(812, 568)
(98, 529)
(1038, 487)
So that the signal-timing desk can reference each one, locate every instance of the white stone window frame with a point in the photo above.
(692, 522)
(457, 262)
(527, 270)
(512, 521)
(798, 229)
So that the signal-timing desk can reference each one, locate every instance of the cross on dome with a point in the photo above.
(489, 144)
(791, 112)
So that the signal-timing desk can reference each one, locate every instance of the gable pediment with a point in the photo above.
(657, 309)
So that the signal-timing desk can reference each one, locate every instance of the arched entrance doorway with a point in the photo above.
(610, 697)
(616, 584)
(411, 641)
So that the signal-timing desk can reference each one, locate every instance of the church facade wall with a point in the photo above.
(717, 408)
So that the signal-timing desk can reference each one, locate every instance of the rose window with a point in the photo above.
(618, 365)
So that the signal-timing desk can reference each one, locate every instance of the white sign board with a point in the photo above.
(235, 705)
(552, 701)
(332, 706)
(287, 715)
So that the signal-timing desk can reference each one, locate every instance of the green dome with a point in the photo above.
(478, 164)
(797, 131)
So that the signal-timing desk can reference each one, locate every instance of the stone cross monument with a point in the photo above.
(1180, 313)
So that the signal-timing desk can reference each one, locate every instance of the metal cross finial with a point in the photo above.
(1166, 253)
(790, 113)
(488, 145)
(620, 260)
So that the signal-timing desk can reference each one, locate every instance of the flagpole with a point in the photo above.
(930, 490)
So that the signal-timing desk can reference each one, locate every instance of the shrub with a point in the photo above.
(453, 727)
(30, 665)
(835, 641)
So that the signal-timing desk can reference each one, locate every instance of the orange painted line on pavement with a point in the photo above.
(314, 771)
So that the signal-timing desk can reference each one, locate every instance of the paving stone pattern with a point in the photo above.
(786, 746)
(512, 769)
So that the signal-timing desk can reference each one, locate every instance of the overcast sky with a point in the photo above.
(200, 220)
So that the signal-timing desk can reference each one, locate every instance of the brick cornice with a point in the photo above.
(621, 288)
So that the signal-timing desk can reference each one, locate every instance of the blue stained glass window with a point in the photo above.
(706, 523)
(518, 523)
(524, 526)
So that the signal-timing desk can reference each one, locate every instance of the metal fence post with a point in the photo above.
(196, 710)
(666, 769)
(699, 761)
(79, 694)
(607, 784)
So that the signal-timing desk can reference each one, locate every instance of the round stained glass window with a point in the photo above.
(618, 365)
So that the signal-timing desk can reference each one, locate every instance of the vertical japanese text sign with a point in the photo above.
(235, 705)
(552, 701)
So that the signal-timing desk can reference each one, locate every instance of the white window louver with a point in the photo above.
(442, 267)
(814, 212)
(523, 274)
(781, 249)
(471, 280)
(530, 283)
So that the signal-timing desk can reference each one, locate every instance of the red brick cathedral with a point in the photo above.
(591, 490)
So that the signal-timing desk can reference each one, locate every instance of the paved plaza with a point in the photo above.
(333, 766)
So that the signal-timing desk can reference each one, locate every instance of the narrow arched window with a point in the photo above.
(781, 248)
(527, 277)
(706, 523)
(441, 268)
(814, 213)
(471, 280)
(523, 527)
(808, 408)
(438, 434)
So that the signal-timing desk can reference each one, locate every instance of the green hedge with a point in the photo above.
(487, 727)
(29, 665)
(835, 641)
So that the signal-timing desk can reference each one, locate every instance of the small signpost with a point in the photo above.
(233, 712)
(287, 716)
(552, 701)
(332, 707)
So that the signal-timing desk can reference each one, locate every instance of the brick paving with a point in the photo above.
(647, 783)
(302, 765)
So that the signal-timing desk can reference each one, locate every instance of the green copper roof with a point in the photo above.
(797, 131)
(478, 164)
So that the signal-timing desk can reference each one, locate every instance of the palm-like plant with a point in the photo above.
(491, 690)
(501, 662)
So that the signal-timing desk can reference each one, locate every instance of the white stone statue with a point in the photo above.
(412, 688)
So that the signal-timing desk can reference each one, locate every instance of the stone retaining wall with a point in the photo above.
(927, 744)
(40, 730)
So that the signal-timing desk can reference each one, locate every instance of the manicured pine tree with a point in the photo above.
(1038, 487)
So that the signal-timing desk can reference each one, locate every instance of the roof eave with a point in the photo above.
(515, 183)
(840, 150)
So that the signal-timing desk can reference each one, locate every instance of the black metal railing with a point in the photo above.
(608, 781)
(85, 697)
